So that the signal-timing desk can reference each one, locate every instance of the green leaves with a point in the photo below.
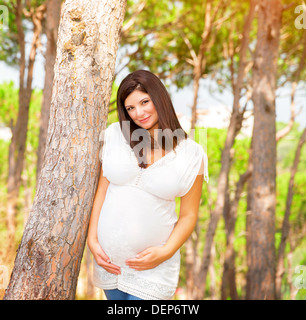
(9, 37)
(8, 103)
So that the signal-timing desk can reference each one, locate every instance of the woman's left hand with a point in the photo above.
(148, 259)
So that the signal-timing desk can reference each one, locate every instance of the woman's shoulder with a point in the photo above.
(193, 156)
(191, 146)
(108, 131)
(113, 125)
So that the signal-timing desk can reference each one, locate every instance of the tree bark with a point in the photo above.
(248, 219)
(262, 220)
(189, 264)
(53, 11)
(279, 135)
(280, 269)
(49, 256)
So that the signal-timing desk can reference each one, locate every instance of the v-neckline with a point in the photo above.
(155, 162)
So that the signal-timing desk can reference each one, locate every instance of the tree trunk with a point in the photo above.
(293, 289)
(285, 228)
(212, 275)
(189, 264)
(197, 73)
(262, 222)
(49, 256)
(248, 219)
(53, 11)
(19, 131)
(229, 272)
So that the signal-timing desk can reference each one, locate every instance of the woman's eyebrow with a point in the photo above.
(138, 102)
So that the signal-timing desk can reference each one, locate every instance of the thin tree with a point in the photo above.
(49, 256)
(261, 266)
(19, 130)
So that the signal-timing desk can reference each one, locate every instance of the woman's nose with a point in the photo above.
(140, 112)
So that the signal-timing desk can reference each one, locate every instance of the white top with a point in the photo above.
(139, 212)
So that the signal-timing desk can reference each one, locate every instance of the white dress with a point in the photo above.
(139, 212)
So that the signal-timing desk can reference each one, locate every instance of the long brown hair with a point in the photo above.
(149, 83)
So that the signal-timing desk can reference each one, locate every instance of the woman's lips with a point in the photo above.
(144, 120)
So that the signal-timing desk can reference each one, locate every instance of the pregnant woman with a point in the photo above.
(147, 161)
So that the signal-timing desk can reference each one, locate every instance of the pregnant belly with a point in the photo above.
(133, 222)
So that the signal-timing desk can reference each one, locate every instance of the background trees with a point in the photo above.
(247, 50)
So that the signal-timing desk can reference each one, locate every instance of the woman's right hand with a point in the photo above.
(101, 258)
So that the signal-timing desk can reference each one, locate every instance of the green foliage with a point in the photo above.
(9, 37)
(215, 144)
(163, 49)
(287, 147)
(154, 20)
(8, 103)
(292, 45)
(113, 116)
(9, 44)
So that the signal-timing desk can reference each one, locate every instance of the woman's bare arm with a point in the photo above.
(92, 239)
(97, 205)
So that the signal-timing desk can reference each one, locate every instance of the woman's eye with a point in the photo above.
(145, 101)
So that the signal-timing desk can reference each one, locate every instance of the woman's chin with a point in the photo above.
(146, 126)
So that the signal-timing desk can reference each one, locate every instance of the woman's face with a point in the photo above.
(142, 110)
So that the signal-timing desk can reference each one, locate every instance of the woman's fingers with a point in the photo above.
(108, 266)
(140, 258)
(100, 252)
(147, 259)
(103, 256)
(141, 262)
(103, 260)
(112, 269)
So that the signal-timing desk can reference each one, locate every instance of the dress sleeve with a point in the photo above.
(104, 141)
(194, 155)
